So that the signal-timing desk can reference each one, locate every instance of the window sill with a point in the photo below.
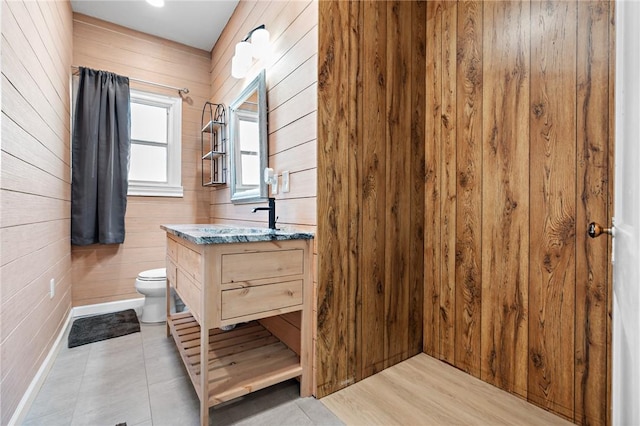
(155, 191)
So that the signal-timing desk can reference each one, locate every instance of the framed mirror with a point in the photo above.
(248, 142)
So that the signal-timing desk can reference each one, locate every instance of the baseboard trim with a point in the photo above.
(32, 391)
(79, 311)
(105, 308)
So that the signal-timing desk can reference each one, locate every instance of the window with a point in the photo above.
(155, 162)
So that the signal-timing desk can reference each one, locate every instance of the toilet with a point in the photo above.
(153, 285)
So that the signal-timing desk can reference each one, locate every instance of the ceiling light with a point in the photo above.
(156, 3)
(245, 51)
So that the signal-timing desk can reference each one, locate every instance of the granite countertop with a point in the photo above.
(225, 234)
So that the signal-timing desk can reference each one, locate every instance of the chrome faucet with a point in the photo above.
(272, 212)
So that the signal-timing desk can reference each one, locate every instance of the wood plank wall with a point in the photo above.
(291, 72)
(35, 189)
(104, 273)
(518, 157)
(292, 76)
(371, 163)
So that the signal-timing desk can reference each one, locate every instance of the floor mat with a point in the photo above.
(103, 327)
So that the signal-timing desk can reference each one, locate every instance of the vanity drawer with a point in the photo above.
(255, 299)
(255, 266)
(189, 292)
(190, 262)
(172, 248)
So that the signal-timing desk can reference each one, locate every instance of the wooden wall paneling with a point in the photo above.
(17, 307)
(292, 100)
(36, 335)
(300, 105)
(222, 54)
(417, 176)
(13, 246)
(468, 250)
(300, 131)
(228, 39)
(373, 187)
(433, 142)
(397, 237)
(51, 56)
(295, 82)
(505, 195)
(24, 115)
(35, 190)
(20, 272)
(21, 176)
(355, 319)
(592, 195)
(300, 20)
(553, 205)
(296, 159)
(18, 143)
(448, 190)
(34, 82)
(36, 209)
(103, 45)
(333, 199)
(279, 17)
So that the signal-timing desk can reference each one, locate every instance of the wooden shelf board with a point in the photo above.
(243, 360)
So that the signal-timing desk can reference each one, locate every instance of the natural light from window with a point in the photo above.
(155, 161)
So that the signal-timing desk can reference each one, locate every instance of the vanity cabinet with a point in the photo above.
(264, 288)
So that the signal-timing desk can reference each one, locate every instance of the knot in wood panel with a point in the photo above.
(324, 73)
(538, 109)
(537, 359)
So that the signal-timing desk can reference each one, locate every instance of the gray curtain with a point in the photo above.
(100, 158)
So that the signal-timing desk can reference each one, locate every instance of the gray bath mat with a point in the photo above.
(103, 327)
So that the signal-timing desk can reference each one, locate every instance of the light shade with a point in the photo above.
(260, 43)
(241, 62)
(246, 51)
(240, 66)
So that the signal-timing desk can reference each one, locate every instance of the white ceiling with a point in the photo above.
(196, 23)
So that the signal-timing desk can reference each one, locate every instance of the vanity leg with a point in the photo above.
(204, 375)
(168, 295)
(306, 328)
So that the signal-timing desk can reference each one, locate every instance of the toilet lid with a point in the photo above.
(153, 274)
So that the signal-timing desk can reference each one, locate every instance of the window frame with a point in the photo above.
(173, 186)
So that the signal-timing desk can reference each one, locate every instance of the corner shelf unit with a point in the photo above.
(213, 144)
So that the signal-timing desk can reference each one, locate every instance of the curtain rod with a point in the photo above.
(137, 80)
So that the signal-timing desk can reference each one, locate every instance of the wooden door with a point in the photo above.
(518, 155)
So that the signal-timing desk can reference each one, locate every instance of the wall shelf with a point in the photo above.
(213, 144)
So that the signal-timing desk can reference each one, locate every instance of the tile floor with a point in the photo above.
(139, 379)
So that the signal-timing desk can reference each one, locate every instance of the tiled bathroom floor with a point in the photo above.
(139, 379)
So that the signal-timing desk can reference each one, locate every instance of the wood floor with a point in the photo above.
(425, 391)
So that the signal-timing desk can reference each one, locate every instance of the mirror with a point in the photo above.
(249, 145)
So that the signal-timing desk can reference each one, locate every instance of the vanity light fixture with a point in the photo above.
(156, 3)
(246, 51)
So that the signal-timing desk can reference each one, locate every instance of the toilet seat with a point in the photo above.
(159, 274)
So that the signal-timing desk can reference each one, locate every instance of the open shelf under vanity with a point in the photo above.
(242, 360)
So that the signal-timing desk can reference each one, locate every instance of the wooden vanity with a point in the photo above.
(257, 279)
